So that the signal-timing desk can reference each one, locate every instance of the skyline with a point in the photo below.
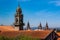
(34, 11)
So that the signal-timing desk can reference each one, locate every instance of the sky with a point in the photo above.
(34, 11)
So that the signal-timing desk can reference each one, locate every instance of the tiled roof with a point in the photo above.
(35, 34)
(7, 28)
(58, 33)
(58, 39)
(9, 31)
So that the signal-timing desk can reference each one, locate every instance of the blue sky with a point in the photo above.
(35, 11)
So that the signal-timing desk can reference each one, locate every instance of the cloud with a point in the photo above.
(57, 2)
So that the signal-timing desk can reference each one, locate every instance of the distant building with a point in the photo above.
(46, 27)
(28, 26)
(40, 26)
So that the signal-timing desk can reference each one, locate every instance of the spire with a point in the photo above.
(28, 26)
(18, 4)
(19, 19)
(46, 25)
(18, 8)
(40, 26)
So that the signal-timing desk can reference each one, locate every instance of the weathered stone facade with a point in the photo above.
(19, 19)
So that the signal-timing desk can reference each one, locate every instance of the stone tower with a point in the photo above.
(47, 27)
(40, 26)
(28, 26)
(19, 19)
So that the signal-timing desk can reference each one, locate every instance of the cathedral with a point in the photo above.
(17, 29)
(19, 20)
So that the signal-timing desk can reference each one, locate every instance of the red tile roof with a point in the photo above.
(35, 34)
(9, 31)
(7, 28)
(58, 39)
(58, 33)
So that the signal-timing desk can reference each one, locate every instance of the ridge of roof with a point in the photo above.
(49, 33)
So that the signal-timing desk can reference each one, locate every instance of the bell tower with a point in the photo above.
(40, 26)
(47, 27)
(28, 26)
(18, 19)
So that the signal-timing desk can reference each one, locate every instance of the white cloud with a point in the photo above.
(57, 2)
